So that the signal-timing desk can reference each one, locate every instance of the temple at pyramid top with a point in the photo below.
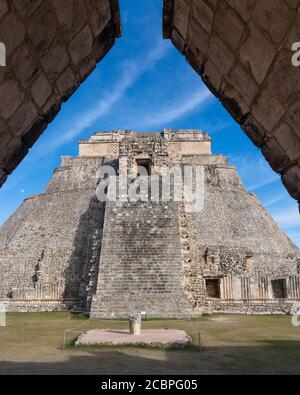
(185, 142)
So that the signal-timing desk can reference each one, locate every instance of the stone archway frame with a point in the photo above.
(51, 48)
(243, 52)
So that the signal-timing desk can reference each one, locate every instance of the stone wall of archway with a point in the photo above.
(51, 48)
(243, 52)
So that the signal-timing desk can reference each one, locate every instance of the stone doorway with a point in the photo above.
(143, 167)
(213, 288)
(279, 289)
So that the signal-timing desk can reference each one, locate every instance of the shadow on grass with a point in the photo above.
(269, 358)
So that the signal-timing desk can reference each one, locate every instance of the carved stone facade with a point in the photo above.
(241, 49)
(52, 46)
(243, 52)
(66, 249)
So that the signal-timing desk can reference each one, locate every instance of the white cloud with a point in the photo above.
(254, 171)
(287, 218)
(275, 199)
(165, 116)
(257, 174)
(216, 125)
(132, 70)
(262, 184)
(294, 236)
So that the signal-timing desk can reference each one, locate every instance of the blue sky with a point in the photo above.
(144, 83)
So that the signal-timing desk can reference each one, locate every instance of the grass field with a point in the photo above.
(33, 344)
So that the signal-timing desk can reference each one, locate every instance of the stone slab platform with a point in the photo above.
(165, 338)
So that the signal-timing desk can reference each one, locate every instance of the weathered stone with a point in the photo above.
(3, 8)
(181, 16)
(41, 90)
(212, 74)
(178, 41)
(254, 131)
(198, 46)
(234, 102)
(12, 143)
(257, 58)
(23, 117)
(288, 140)
(52, 108)
(293, 33)
(228, 26)
(4, 73)
(15, 150)
(42, 27)
(220, 54)
(71, 15)
(24, 64)
(3, 176)
(267, 110)
(81, 45)
(293, 117)
(244, 8)
(250, 51)
(66, 84)
(100, 15)
(275, 155)
(30, 136)
(55, 61)
(86, 68)
(37, 35)
(293, 3)
(11, 97)
(12, 32)
(119, 257)
(291, 180)
(162, 338)
(283, 80)
(103, 43)
(274, 17)
(26, 7)
(15, 158)
(244, 83)
(202, 12)
(5, 137)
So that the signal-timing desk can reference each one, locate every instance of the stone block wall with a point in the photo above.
(52, 243)
(116, 257)
(221, 243)
(243, 52)
(224, 242)
(140, 266)
(52, 46)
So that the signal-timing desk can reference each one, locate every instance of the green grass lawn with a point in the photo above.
(33, 344)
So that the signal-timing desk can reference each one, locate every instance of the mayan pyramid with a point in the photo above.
(66, 248)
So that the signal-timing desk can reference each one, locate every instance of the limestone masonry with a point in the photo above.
(52, 46)
(242, 50)
(66, 249)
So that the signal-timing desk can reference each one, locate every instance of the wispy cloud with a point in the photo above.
(255, 171)
(132, 70)
(262, 184)
(259, 177)
(275, 199)
(216, 125)
(295, 237)
(179, 110)
(287, 218)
